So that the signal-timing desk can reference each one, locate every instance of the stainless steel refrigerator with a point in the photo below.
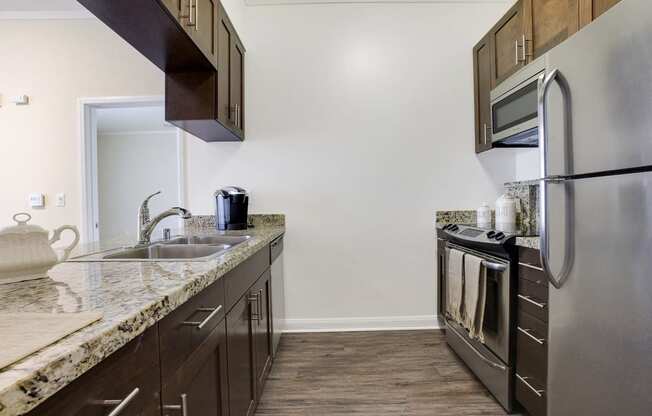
(595, 138)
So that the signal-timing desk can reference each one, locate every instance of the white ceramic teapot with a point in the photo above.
(26, 252)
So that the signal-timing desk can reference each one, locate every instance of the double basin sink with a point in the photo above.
(194, 248)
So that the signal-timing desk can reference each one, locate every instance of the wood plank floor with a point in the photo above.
(372, 374)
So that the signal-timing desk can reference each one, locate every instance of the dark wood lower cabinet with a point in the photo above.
(200, 384)
(262, 328)
(209, 357)
(532, 334)
(129, 375)
(242, 386)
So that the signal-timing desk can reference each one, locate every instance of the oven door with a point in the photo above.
(490, 361)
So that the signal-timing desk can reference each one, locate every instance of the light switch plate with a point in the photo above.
(36, 200)
(61, 200)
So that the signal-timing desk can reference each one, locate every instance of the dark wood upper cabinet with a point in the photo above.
(195, 44)
(482, 84)
(210, 104)
(200, 384)
(507, 39)
(590, 10)
(155, 29)
(548, 23)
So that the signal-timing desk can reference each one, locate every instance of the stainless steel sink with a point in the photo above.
(195, 248)
(231, 240)
(168, 251)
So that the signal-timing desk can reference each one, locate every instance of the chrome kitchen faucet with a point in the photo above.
(146, 224)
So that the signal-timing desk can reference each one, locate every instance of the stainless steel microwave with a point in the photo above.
(514, 117)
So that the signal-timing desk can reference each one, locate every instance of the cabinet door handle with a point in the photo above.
(120, 405)
(183, 406)
(524, 52)
(516, 60)
(539, 393)
(200, 324)
(185, 16)
(197, 17)
(527, 333)
(191, 22)
(260, 306)
(540, 305)
(255, 315)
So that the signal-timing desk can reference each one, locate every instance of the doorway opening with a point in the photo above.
(129, 152)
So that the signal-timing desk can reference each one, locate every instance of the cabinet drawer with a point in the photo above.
(529, 256)
(532, 273)
(533, 299)
(240, 279)
(531, 347)
(130, 375)
(531, 395)
(183, 330)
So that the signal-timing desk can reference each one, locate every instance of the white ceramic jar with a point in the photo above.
(483, 215)
(26, 252)
(506, 207)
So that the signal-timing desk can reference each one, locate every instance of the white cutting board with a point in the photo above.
(25, 333)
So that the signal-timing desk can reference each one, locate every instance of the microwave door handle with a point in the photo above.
(545, 81)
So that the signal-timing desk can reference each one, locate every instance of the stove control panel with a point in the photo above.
(477, 235)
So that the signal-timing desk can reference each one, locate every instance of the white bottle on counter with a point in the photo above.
(483, 215)
(506, 207)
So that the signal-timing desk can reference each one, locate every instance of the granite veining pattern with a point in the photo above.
(466, 217)
(132, 296)
(200, 222)
(529, 242)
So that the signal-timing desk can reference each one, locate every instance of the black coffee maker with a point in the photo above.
(232, 204)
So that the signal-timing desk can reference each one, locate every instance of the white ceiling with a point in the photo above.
(113, 120)
(39, 5)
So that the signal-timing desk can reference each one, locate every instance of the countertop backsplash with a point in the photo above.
(527, 217)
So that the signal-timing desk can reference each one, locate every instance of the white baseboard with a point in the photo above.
(380, 323)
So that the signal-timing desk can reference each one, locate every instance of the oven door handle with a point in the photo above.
(494, 266)
(474, 349)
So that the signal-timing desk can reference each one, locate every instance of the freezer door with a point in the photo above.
(600, 340)
(608, 66)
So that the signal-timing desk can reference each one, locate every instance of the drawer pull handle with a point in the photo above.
(120, 405)
(528, 299)
(200, 325)
(539, 393)
(183, 406)
(539, 341)
(529, 266)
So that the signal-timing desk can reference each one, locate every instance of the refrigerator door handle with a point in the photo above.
(545, 81)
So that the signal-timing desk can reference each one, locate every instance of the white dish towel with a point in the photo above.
(455, 284)
(475, 280)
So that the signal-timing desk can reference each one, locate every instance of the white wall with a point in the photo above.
(133, 162)
(56, 62)
(527, 164)
(359, 127)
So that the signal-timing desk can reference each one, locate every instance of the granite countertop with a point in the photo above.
(132, 296)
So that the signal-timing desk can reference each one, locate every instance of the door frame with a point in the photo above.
(88, 139)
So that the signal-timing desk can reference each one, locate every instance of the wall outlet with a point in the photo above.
(20, 100)
(61, 200)
(36, 200)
